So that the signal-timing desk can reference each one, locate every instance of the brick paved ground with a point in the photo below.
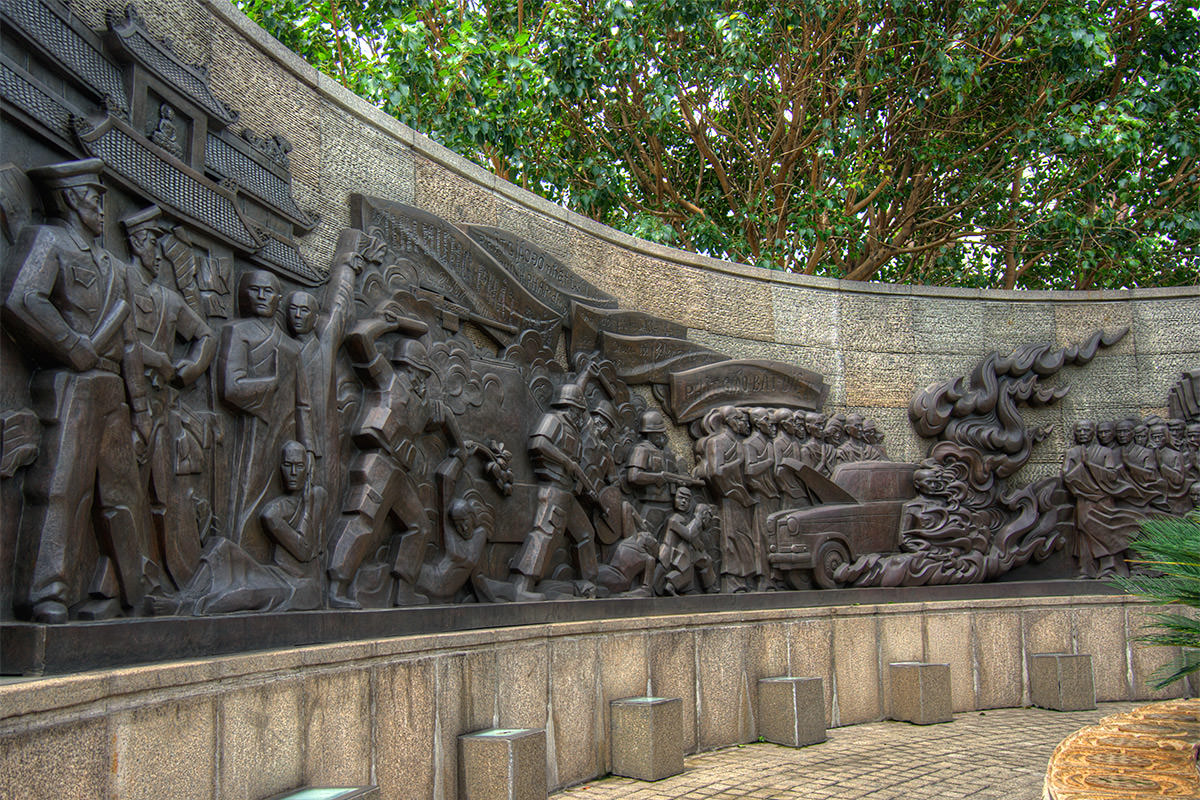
(993, 755)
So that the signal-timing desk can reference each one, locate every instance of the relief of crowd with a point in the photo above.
(1119, 473)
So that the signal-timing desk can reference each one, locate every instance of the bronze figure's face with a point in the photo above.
(1178, 430)
(1158, 436)
(88, 203)
(301, 313)
(1085, 431)
(683, 499)
(294, 467)
(1141, 435)
(735, 418)
(260, 294)
(834, 431)
(1124, 432)
(1106, 433)
(143, 244)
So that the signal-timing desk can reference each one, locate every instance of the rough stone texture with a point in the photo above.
(1145, 660)
(1167, 327)
(901, 638)
(647, 740)
(467, 701)
(1045, 631)
(939, 327)
(948, 640)
(521, 688)
(791, 710)
(404, 728)
(1075, 321)
(260, 744)
(336, 720)
(998, 655)
(767, 647)
(393, 706)
(68, 762)
(856, 670)
(451, 196)
(672, 660)
(503, 763)
(722, 689)
(877, 324)
(623, 673)
(1100, 631)
(573, 727)
(920, 693)
(811, 653)
(167, 745)
(1062, 681)
(805, 316)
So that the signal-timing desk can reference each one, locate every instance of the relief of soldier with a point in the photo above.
(324, 446)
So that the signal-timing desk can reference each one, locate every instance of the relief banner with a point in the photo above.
(694, 392)
(449, 262)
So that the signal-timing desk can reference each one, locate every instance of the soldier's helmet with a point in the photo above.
(653, 422)
(570, 395)
(411, 353)
(605, 409)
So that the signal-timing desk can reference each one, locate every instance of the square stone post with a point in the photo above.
(647, 737)
(920, 692)
(791, 710)
(1062, 681)
(503, 764)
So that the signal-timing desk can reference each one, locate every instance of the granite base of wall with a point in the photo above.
(389, 711)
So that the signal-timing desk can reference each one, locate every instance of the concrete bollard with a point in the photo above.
(791, 710)
(503, 764)
(1062, 681)
(647, 737)
(920, 692)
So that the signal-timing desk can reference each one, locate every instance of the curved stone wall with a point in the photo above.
(388, 711)
(875, 344)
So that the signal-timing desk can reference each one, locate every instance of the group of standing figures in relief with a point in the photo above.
(1119, 472)
(197, 421)
(333, 465)
(755, 462)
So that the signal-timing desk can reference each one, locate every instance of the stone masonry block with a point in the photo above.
(502, 764)
(647, 737)
(1062, 681)
(920, 692)
(791, 710)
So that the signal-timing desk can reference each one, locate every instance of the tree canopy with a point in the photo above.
(1019, 143)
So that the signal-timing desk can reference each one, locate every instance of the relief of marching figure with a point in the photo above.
(197, 420)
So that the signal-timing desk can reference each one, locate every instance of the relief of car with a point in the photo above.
(858, 513)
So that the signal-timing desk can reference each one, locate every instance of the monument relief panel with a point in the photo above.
(196, 420)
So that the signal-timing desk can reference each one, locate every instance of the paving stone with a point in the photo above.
(1000, 754)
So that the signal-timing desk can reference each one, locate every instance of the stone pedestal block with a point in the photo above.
(503, 764)
(791, 711)
(647, 737)
(1062, 681)
(920, 692)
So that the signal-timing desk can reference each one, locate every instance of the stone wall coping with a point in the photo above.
(427, 148)
(21, 697)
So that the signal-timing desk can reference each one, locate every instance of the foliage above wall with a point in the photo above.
(1047, 144)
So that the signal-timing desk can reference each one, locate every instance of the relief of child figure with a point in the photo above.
(688, 566)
